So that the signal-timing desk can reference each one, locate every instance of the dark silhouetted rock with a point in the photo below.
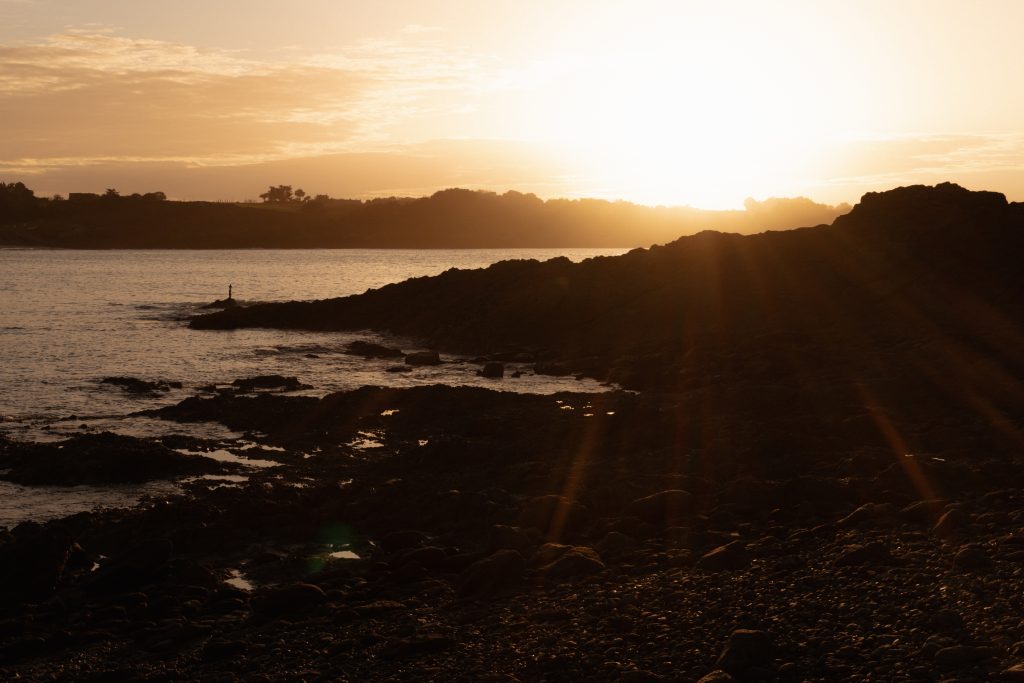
(370, 350)
(552, 369)
(268, 382)
(230, 302)
(133, 385)
(423, 358)
(493, 370)
(103, 458)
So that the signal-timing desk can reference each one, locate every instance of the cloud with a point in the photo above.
(94, 97)
(987, 161)
(399, 170)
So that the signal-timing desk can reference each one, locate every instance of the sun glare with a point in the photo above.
(668, 118)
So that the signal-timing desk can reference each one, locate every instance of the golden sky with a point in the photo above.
(700, 103)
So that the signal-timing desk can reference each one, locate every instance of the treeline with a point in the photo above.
(455, 218)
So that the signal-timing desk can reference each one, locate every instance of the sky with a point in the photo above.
(682, 102)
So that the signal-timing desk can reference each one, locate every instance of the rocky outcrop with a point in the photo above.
(102, 458)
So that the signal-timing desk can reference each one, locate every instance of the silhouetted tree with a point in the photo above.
(154, 196)
(300, 195)
(281, 194)
(111, 193)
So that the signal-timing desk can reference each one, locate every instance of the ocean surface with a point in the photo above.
(70, 318)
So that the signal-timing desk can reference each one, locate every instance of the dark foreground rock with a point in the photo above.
(821, 481)
(102, 458)
(370, 350)
(500, 536)
(268, 383)
(913, 277)
(134, 385)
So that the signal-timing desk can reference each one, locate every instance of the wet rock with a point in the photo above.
(730, 556)
(103, 458)
(746, 649)
(666, 508)
(268, 382)
(423, 358)
(398, 368)
(229, 302)
(370, 350)
(493, 370)
(494, 574)
(551, 369)
(133, 385)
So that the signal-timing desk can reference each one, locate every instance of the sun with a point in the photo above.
(660, 118)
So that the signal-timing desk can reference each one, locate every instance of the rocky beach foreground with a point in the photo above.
(494, 536)
(818, 478)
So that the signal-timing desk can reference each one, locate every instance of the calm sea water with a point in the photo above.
(69, 318)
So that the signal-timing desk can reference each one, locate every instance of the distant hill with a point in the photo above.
(917, 294)
(448, 219)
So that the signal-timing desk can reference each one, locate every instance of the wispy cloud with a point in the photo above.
(884, 162)
(91, 96)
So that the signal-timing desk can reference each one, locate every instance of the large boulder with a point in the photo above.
(493, 370)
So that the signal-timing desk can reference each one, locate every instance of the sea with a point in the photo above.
(69, 318)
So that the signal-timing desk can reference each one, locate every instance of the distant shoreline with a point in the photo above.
(451, 219)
